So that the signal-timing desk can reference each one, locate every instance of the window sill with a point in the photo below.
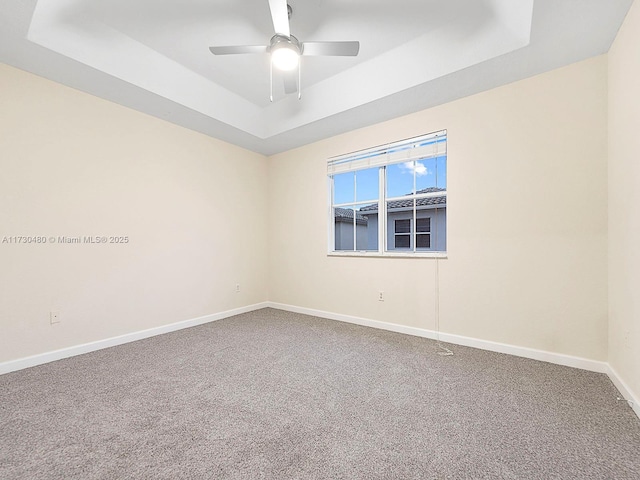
(388, 254)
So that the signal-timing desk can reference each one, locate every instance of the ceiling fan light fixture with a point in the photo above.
(285, 56)
(285, 50)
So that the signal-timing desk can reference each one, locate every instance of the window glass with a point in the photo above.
(403, 226)
(400, 179)
(413, 195)
(441, 172)
(423, 240)
(343, 188)
(353, 229)
(402, 241)
(426, 174)
(400, 224)
(367, 184)
(423, 225)
(344, 228)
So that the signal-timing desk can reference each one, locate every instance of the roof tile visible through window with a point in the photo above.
(347, 214)
(409, 202)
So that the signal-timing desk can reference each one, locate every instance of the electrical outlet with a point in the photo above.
(54, 317)
(381, 296)
(237, 288)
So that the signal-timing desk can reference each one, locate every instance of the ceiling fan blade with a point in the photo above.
(234, 49)
(290, 81)
(338, 49)
(280, 16)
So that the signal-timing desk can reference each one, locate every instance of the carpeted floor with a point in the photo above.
(271, 394)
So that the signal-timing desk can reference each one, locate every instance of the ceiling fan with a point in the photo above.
(285, 49)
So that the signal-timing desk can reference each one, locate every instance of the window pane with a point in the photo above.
(366, 229)
(400, 179)
(403, 226)
(426, 170)
(441, 177)
(399, 224)
(343, 218)
(343, 188)
(432, 223)
(402, 241)
(423, 225)
(423, 240)
(367, 184)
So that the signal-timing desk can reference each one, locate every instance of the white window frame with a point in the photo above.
(412, 149)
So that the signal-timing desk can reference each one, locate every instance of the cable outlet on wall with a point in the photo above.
(54, 317)
(381, 296)
(237, 288)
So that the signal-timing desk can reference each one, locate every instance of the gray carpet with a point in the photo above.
(272, 394)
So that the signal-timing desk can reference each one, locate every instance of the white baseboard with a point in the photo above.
(32, 361)
(544, 356)
(557, 358)
(624, 390)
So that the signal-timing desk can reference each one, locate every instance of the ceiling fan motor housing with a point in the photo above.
(282, 41)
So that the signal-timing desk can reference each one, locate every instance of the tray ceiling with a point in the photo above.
(153, 56)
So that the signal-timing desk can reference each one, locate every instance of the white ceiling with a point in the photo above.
(152, 55)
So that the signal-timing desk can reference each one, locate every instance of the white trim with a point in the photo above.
(431, 145)
(534, 354)
(32, 361)
(544, 356)
(625, 391)
(331, 237)
(387, 254)
(359, 202)
(541, 355)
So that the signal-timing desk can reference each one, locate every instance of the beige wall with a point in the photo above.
(624, 202)
(527, 213)
(527, 226)
(194, 209)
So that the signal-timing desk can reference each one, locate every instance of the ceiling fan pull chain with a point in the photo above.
(299, 79)
(271, 81)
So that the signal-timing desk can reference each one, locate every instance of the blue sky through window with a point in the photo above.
(366, 189)
(431, 172)
(367, 184)
(343, 188)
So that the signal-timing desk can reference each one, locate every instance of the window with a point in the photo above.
(353, 230)
(391, 199)
(423, 232)
(403, 234)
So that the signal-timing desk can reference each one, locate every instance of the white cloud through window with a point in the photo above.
(417, 167)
